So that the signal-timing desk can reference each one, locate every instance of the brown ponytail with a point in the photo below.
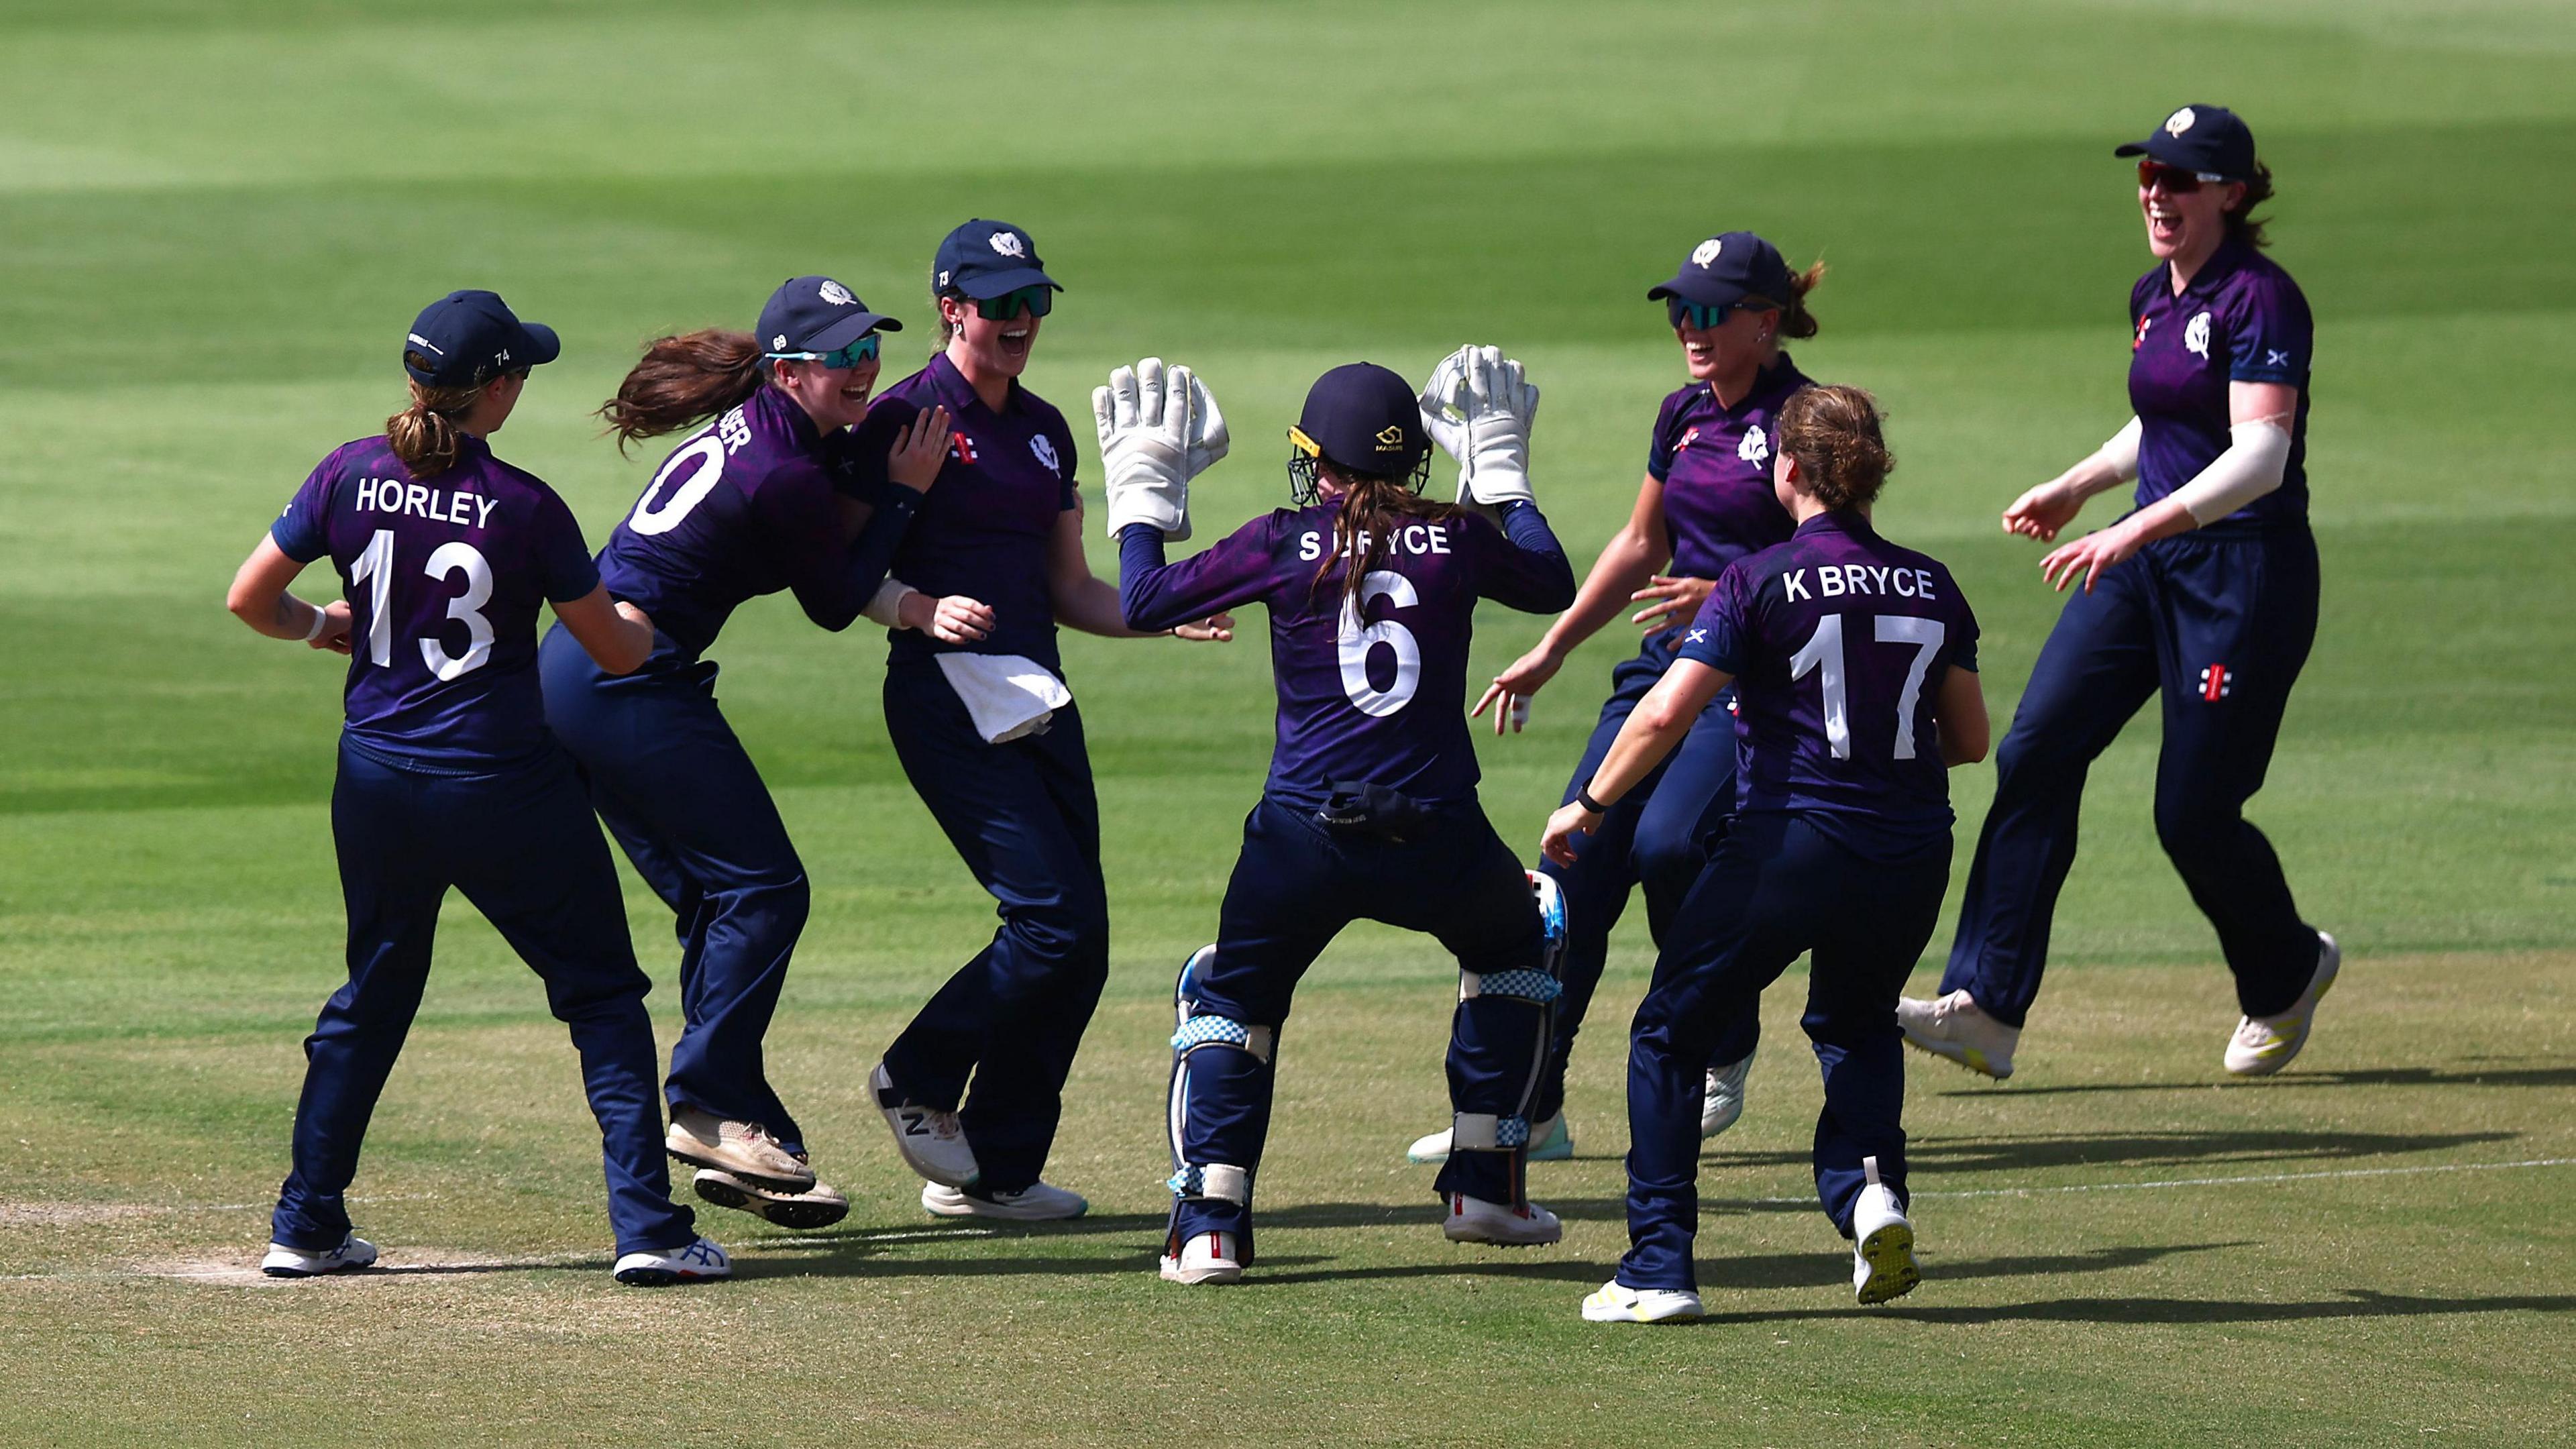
(683, 380)
(427, 434)
(2242, 224)
(1373, 507)
(1834, 434)
(1796, 322)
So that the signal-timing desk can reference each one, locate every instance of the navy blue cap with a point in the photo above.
(986, 259)
(2205, 140)
(466, 339)
(1728, 268)
(817, 314)
(1365, 418)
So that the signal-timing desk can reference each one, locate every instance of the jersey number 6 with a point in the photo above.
(1824, 650)
(375, 567)
(1356, 639)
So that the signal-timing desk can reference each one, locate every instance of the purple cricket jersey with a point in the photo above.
(1839, 642)
(2241, 320)
(986, 527)
(1715, 465)
(1377, 695)
(745, 506)
(443, 579)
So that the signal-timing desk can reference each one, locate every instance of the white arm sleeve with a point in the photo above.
(2114, 463)
(2251, 467)
(887, 607)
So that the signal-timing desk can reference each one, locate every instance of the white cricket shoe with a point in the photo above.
(1954, 1026)
(701, 1261)
(1616, 1302)
(1039, 1202)
(745, 1149)
(1474, 1220)
(1723, 1100)
(2263, 1045)
(282, 1261)
(1207, 1258)
(818, 1206)
(1550, 1141)
(1882, 1243)
(933, 1144)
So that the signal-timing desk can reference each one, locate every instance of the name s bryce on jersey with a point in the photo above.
(1417, 539)
(1835, 580)
(439, 505)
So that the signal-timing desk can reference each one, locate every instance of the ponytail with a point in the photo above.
(427, 435)
(2242, 224)
(683, 380)
(1373, 508)
(1796, 322)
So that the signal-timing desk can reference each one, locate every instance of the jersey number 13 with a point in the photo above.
(375, 568)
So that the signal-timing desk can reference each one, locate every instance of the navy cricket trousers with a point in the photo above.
(522, 847)
(1776, 886)
(1024, 817)
(1656, 836)
(1296, 885)
(2219, 621)
(681, 795)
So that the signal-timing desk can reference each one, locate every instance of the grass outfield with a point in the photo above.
(215, 214)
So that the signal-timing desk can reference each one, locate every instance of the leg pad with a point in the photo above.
(1201, 1031)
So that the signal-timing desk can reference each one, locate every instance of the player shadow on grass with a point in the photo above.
(2464, 1076)
(2356, 1303)
(1823, 1268)
(1942, 1156)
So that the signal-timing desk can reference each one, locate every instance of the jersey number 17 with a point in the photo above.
(1823, 652)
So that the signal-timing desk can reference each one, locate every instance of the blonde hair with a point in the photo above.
(427, 435)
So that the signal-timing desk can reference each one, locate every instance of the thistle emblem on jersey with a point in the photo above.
(1755, 448)
(2179, 122)
(2215, 682)
(1044, 450)
(2195, 336)
(1705, 253)
(1008, 243)
(838, 295)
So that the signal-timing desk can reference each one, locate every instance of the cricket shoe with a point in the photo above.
(1722, 1102)
(818, 1206)
(1882, 1243)
(1039, 1202)
(282, 1261)
(932, 1142)
(1474, 1220)
(1616, 1302)
(1954, 1026)
(701, 1261)
(1207, 1258)
(1550, 1141)
(745, 1149)
(2263, 1045)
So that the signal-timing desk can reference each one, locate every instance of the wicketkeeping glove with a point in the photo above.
(1478, 407)
(1158, 430)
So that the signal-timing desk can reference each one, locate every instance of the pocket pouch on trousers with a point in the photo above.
(1373, 812)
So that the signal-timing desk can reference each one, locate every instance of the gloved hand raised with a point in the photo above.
(1478, 407)
(1158, 430)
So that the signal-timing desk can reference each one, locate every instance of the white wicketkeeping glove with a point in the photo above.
(1478, 408)
(1158, 430)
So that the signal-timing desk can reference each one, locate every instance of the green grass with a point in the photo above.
(215, 215)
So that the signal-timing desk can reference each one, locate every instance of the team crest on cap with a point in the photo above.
(1008, 243)
(2195, 336)
(2179, 122)
(1390, 438)
(838, 295)
(1044, 450)
(1706, 252)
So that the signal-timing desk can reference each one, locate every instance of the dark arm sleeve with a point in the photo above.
(562, 556)
(801, 513)
(1529, 572)
(1155, 595)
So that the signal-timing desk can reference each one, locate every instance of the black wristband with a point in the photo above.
(1583, 797)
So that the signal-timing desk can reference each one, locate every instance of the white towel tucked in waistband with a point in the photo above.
(1009, 695)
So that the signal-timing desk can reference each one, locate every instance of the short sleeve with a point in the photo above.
(1964, 653)
(1722, 636)
(302, 532)
(857, 456)
(1067, 462)
(1659, 453)
(563, 558)
(2268, 332)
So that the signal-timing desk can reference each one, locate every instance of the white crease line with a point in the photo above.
(2220, 1181)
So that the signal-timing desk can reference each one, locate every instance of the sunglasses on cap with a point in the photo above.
(1037, 300)
(2174, 179)
(863, 350)
(1701, 316)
